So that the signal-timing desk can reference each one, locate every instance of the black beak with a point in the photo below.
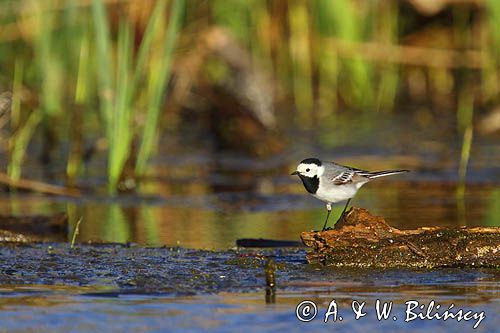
(294, 173)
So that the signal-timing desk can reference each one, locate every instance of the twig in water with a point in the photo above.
(37, 186)
(75, 232)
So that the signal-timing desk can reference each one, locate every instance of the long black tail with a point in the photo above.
(377, 174)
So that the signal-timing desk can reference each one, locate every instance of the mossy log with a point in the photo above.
(363, 240)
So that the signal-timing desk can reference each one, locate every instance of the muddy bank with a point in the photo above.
(363, 240)
(139, 269)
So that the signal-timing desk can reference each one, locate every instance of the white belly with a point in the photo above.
(337, 193)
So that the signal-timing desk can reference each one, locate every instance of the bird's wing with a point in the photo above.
(343, 178)
(341, 175)
(346, 177)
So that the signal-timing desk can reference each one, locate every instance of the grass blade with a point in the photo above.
(159, 75)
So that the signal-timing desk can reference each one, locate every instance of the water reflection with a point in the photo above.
(196, 197)
(218, 220)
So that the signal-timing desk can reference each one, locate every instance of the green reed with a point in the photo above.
(71, 53)
(490, 39)
(386, 22)
(122, 97)
(340, 19)
(18, 141)
(493, 12)
(82, 97)
(158, 74)
(47, 71)
(107, 93)
(48, 60)
(465, 115)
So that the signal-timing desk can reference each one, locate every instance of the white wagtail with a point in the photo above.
(331, 182)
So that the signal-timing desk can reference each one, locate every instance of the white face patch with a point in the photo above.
(310, 169)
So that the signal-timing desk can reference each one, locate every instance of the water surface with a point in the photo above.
(49, 287)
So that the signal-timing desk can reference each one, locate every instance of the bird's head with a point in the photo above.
(310, 168)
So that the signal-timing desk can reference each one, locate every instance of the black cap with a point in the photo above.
(311, 161)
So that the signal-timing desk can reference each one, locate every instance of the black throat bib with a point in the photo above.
(310, 183)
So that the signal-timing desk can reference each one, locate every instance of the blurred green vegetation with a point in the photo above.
(117, 73)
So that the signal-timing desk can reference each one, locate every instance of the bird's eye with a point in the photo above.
(307, 170)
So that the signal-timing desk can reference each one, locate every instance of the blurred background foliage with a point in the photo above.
(87, 78)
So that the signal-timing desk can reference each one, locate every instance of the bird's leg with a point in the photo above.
(329, 208)
(343, 212)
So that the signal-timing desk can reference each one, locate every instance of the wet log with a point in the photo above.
(363, 240)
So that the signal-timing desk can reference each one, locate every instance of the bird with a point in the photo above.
(331, 182)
